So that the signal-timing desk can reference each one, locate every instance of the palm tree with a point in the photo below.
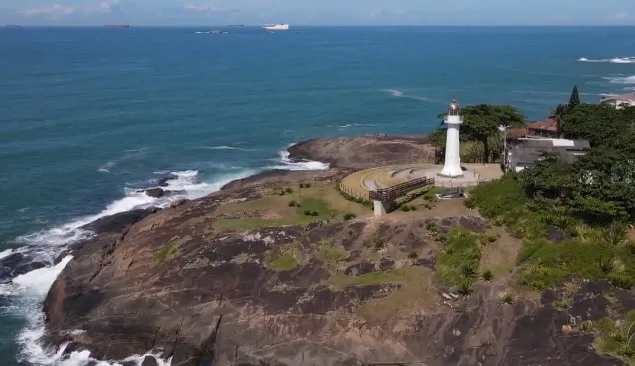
(557, 114)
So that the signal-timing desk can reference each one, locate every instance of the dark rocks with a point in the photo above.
(171, 282)
(179, 202)
(363, 151)
(154, 192)
(163, 179)
(277, 175)
(17, 264)
(118, 222)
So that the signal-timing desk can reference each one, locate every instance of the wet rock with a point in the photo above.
(163, 179)
(118, 222)
(18, 264)
(149, 361)
(154, 192)
(178, 202)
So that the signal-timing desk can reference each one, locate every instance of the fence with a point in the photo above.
(391, 193)
(359, 193)
(422, 160)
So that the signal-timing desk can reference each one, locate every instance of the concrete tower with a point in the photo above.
(453, 120)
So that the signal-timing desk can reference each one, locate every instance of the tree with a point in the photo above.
(557, 114)
(603, 125)
(574, 100)
(481, 121)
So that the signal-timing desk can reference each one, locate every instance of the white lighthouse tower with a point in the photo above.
(453, 120)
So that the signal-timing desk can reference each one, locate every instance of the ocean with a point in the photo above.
(90, 115)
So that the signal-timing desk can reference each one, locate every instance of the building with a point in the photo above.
(546, 128)
(452, 166)
(619, 101)
(525, 152)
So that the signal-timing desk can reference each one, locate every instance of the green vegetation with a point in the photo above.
(169, 251)
(459, 259)
(285, 191)
(614, 336)
(413, 255)
(350, 198)
(379, 243)
(480, 131)
(349, 216)
(285, 257)
(331, 254)
(294, 203)
(590, 202)
(507, 298)
(488, 275)
(412, 195)
(283, 263)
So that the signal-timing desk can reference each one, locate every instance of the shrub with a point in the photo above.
(288, 190)
(305, 185)
(379, 243)
(465, 288)
(459, 259)
(349, 216)
(311, 213)
(413, 255)
(432, 227)
(620, 280)
(507, 298)
(586, 326)
(413, 208)
(294, 204)
(490, 237)
(488, 275)
(411, 196)
(498, 197)
(405, 208)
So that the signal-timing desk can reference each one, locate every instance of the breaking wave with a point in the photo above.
(621, 79)
(27, 291)
(616, 60)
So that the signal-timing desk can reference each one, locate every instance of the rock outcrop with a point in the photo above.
(362, 152)
(169, 281)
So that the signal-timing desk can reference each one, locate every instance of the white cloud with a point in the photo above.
(201, 8)
(49, 10)
(107, 5)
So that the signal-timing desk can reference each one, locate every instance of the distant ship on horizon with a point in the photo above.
(116, 26)
(276, 27)
(235, 25)
(12, 26)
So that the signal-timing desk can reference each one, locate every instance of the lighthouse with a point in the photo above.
(453, 120)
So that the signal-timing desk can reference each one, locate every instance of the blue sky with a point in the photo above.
(319, 12)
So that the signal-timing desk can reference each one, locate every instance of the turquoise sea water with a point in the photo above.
(89, 114)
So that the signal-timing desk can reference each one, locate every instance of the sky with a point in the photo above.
(318, 12)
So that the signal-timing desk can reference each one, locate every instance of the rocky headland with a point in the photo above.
(268, 272)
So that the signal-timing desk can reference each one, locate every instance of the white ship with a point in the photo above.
(276, 27)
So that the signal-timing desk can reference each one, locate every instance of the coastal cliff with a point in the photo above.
(271, 272)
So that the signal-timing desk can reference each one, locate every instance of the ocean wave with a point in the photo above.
(27, 291)
(285, 163)
(400, 94)
(621, 79)
(615, 60)
(224, 147)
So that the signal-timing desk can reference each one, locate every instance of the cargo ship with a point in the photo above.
(117, 26)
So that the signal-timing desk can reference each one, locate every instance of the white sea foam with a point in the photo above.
(224, 147)
(400, 94)
(29, 290)
(615, 60)
(287, 164)
(621, 79)
(6, 253)
(106, 167)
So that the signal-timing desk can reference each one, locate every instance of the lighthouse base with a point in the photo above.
(451, 172)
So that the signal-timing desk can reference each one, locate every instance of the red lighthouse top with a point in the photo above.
(454, 109)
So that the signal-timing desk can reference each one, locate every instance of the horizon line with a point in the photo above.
(332, 25)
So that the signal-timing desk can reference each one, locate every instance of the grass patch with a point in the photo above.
(285, 257)
(330, 254)
(459, 258)
(168, 252)
(549, 264)
(613, 339)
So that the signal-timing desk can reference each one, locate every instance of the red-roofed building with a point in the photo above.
(544, 128)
